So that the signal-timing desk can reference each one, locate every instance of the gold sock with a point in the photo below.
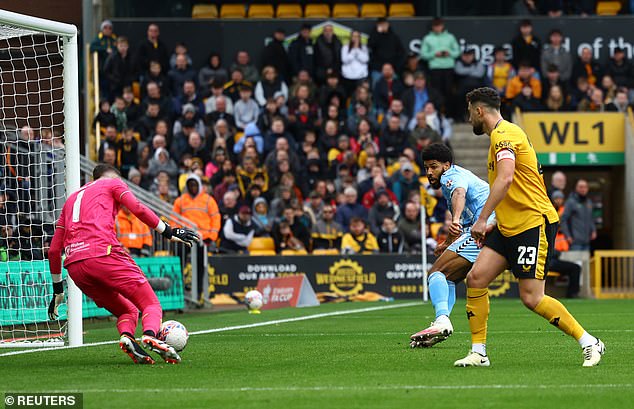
(478, 313)
(558, 315)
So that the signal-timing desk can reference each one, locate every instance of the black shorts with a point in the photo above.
(529, 252)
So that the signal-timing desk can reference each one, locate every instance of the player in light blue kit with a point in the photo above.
(465, 194)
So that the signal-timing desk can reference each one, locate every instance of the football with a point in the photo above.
(174, 334)
(253, 300)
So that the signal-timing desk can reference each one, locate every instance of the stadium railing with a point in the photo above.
(613, 274)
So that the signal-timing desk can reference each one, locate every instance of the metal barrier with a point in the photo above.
(613, 274)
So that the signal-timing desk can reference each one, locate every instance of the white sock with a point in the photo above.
(442, 319)
(587, 340)
(479, 348)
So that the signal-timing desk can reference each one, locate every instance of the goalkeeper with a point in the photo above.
(101, 267)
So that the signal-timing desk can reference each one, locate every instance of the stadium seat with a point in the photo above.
(262, 253)
(345, 10)
(402, 10)
(433, 229)
(373, 10)
(608, 8)
(261, 11)
(325, 252)
(289, 11)
(259, 244)
(232, 11)
(317, 11)
(204, 11)
(289, 252)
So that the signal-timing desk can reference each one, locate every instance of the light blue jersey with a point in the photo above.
(477, 192)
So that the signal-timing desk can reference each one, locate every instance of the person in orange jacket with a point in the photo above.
(133, 234)
(201, 208)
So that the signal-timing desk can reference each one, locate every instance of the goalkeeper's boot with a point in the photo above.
(166, 352)
(438, 331)
(134, 350)
(592, 353)
(473, 359)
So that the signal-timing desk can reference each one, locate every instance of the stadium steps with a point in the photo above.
(470, 151)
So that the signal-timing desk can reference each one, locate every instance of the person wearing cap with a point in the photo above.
(526, 46)
(237, 232)
(327, 54)
(189, 112)
(555, 54)
(246, 110)
(274, 54)
(620, 68)
(104, 44)
(301, 52)
(269, 86)
(385, 47)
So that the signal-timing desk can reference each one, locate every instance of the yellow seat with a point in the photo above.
(262, 253)
(608, 8)
(402, 10)
(232, 11)
(261, 11)
(294, 252)
(433, 229)
(204, 11)
(317, 11)
(289, 11)
(324, 252)
(345, 10)
(375, 10)
(161, 253)
(262, 244)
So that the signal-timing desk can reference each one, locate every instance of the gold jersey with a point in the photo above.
(526, 203)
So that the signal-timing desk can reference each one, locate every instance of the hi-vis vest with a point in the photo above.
(203, 211)
(132, 232)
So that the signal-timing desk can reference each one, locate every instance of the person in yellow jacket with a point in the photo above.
(201, 208)
(358, 240)
(133, 234)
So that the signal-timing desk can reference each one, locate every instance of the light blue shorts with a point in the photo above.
(466, 247)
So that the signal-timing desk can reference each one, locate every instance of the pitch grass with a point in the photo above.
(360, 360)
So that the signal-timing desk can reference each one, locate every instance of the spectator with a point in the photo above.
(580, 95)
(246, 109)
(109, 141)
(229, 205)
(621, 101)
(421, 134)
(237, 232)
(196, 148)
(134, 235)
(297, 237)
(217, 90)
(415, 98)
(609, 88)
(188, 96)
(526, 101)
(586, 67)
(440, 49)
(596, 103)
(577, 222)
(390, 239)
(524, 78)
(152, 49)
(127, 148)
(438, 122)
(500, 72)
(155, 74)
(383, 207)
(180, 49)
(567, 268)
(118, 68)
(220, 113)
(277, 131)
(331, 89)
(162, 162)
(470, 74)
(248, 70)
(118, 110)
(200, 208)
(397, 110)
(327, 233)
(526, 47)
(410, 226)
(110, 157)
(350, 209)
(105, 118)
(552, 78)
(301, 52)
(557, 182)
(556, 100)
(555, 54)
(269, 86)
(620, 69)
(358, 240)
(154, 95)
(189, 112)
(104, 44)
(212, 72)
(262, 218)
(133, 110)
(387, 88)
(354, 62)
(246, 174)
(327, 54)
(179, 74)
(405, 182)
(393, 140)
(274, 55)
(385, 47)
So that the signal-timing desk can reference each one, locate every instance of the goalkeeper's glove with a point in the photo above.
(58, 299)
(180, 235)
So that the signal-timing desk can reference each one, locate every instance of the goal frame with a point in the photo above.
(68, 33)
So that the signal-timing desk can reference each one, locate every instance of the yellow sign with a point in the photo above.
(346, 278)
(575, 132)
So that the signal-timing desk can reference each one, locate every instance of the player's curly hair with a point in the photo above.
(485, 96)
(103, 168)
(438, 151)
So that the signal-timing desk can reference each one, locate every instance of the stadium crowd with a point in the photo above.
(318, 145)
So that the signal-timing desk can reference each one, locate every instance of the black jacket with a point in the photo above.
(118, 72)
(274, 54)
(526, 52)
(327, 55)
(390, 242)
(381, 96)
(301, 55)
(147, 52)
(385, 47)
(623, 75)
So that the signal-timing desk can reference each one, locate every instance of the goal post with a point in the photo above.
(31, 97)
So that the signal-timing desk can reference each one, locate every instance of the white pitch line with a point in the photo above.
(234, 327)
(348, 388)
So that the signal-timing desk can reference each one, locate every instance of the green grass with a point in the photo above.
(359, 360)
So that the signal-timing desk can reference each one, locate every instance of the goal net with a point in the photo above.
(38, 142)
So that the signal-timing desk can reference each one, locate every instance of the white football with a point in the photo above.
(174, 334)
(253, 300)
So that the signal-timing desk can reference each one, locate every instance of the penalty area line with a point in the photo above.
(235, 327)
